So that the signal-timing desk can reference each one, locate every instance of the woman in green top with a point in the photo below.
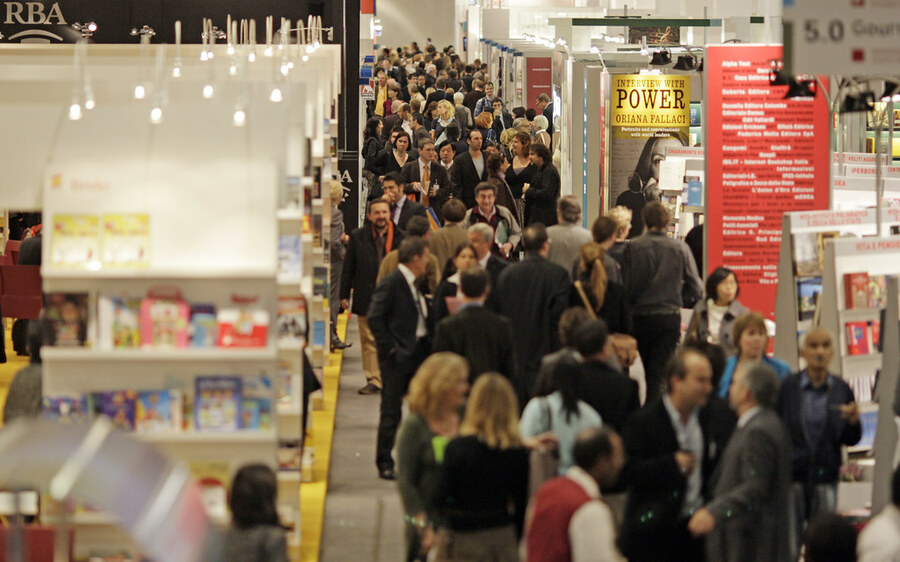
(436, 395)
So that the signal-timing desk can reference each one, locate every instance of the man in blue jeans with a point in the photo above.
(661, 279)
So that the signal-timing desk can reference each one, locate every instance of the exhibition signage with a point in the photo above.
(648, 114)
(766, 156)
(539, 77)
(850, 37)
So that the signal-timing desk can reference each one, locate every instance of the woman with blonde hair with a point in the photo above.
(484, 479)
(622, 216)
(443, 116)
(437, 393)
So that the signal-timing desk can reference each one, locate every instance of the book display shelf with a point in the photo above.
(681, 179)
(162, 273)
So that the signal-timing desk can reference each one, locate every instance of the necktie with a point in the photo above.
(426, 185)
(394, 213)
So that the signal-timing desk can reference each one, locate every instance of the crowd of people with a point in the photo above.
(511, 331)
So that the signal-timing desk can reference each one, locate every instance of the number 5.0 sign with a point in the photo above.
(842, 36)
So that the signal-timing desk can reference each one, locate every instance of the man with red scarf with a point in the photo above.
(367, 247)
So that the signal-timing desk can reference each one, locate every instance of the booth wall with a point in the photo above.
(404, 21)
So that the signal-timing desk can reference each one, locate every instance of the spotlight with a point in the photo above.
(858, 103)
(777, 77)
(208, 91)
(801, 88)
(240, 117)
(684, 62)
(156, 115)
(75, 112)
(276, 96)
(661, 57)
(139, 92)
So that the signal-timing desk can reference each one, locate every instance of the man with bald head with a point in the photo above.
(821, 415)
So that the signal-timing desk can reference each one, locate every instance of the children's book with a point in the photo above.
(118, 406)
(256, 408)
(66, 408)
(158, 411)
(126, 240)
(75, 241)
(217, 403)
(118, 319)
(164, 319)
(66, 316)
(242, 327)
(204, 327)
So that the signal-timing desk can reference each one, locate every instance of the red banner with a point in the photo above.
(765, 156)
(539, 77)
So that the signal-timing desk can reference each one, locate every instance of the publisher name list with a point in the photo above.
(768, 163)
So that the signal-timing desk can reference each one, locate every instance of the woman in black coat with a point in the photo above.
(372, 146)
(543, 192)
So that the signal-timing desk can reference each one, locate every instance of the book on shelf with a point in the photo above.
(125, 241)
(66, 319)
(118, 322)
(858, 338)
(808, 292)
(75, 241)
(808, 251)
(863, 387)
(318, 332)
(241, 326)
(291, 322)
(287, 387)
(165, 317)
(217, 403)
(256, 407)
(158, 411)
(214, 478)
(320, 281)
(856, 290)
(877, 291)
(869, 422)
(693, 191)
(117, 405)
(289, 455)
(289, 256)
(875, 330)
(66, 408)
(204, 326)
(292, 193)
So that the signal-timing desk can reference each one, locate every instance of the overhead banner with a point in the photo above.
(766, 156)
(647, 115)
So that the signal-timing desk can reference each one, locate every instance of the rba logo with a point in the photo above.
(33, 13)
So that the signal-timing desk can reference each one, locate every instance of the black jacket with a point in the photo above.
(817, 463)
(654, 480)
(439, 177)
(483, 337)
(393, 316)
(541, 197)
(371, 153)
(361, 266)
(464, 177)
(408, 211)
(611, 393)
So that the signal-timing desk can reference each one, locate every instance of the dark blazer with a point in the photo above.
(817, 463)
(495, 266)
(541, 197)
(656, 485)
(464, 177)
(611, 393)
(483, 337)
(435, 96)
(532, 294)
(408, 211)
(472, 98)
(439, 177)
(751, 490)
(389, 123)
(361, 266)
(548, 113)
(393, 316)
(516, 181)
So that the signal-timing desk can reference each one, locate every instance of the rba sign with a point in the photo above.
(33, 13)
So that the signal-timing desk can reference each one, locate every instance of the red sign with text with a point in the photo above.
(539, 79)
(766, 156)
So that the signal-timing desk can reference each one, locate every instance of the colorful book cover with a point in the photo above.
(289, 455)
(204, 326)
(291, 319)
(318, 333)
(320, 281)
(158, 411)
(808, 291)
(214, 478)
(694, 196)
(242, 327)
(118, 319)
(75, 241)
(126, 240)
(66, 316)
(118, 406)
(821, 239)
(869, 422)
(66, 408)
(877, 291)
(164, 321)
(857, 338)
(856, 290)
(217, 403)
(256, 408)
(806, 261)
(875, 327)
(289, 257)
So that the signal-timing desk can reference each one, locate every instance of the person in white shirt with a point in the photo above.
(569, 520)
(880, 540)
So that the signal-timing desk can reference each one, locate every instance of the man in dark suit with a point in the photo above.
(673, 445)
(425, 174)
(533, 294)
(481, 237)
(438, 94)
(480, 335)
(546, 106)
(398, 316)
(611, 393)
(366, 248)
(402, 209)
(468, 170)
(749, 516)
